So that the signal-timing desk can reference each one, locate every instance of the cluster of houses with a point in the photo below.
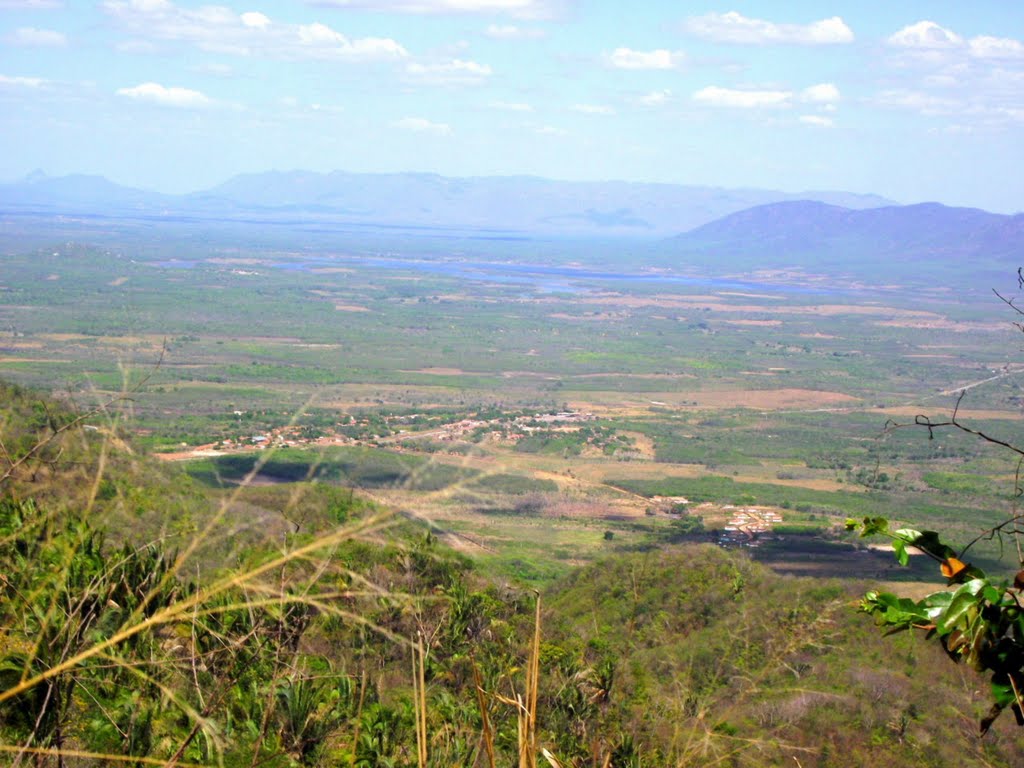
(518, 427)
(290, 435)
(747, 525)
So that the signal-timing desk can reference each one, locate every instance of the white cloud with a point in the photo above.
(936, 71)
(592, 109)
(255, 19)
(925, 35)
(742, 99)
(219, 29)
(512, 32)
(526, 9)
(733, 27)
(422, 125)
(660, 58)
(169, 97)
(824, 122)
(507, 106)
(7, 81)
(550, 130)
(454, 72)
(822, 93)
(38, 38)
(925, 103)
(655, 98)
(27, 5)
(985, 47)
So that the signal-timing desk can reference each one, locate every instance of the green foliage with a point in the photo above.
(685, 527)
(979, 623)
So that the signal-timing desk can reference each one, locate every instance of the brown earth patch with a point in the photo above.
(350, 308)
(31, 360)
(963, 414)
(759, 323)
(647, 376)
(24, 345)
(439, 371)
(759, 399)
(118, 281)
(751, 295)
(942, 324)
(589, 316)
(715, 304)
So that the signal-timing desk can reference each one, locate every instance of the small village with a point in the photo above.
(747, 526)
(463, 430)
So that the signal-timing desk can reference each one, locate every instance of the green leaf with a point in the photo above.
(1003, 692)
(872, 526)
(926, 541)
(963, 600)
(992, 595)
(900, 548)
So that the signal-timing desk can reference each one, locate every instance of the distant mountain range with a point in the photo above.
(732, 229)
(808, 233)
(519, 205)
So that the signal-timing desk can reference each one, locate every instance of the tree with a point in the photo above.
(978, 618)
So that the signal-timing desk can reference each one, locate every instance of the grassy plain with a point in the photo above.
(432, 376)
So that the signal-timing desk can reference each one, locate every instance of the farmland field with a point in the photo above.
(536, 408)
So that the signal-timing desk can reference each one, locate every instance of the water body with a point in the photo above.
(538, 278)
(545, 278)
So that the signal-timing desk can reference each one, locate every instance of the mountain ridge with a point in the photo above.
(520, 204)
(813, 235)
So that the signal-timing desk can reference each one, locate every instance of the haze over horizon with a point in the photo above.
(921, 102)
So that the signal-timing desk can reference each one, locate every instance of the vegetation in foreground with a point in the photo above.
(334, 641)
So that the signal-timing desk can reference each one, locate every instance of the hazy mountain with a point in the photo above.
(518, 204)
(78, 193)
(813, 234)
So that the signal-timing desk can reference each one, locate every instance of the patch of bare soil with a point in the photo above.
(351, 308)
(439, 371)
(761, 399)
(751, 295)
(590, 316)
(964, 414)
(715, 304)
(31, 360)
(942, 324)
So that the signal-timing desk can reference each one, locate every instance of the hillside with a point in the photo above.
(295, 649)
(812, 234)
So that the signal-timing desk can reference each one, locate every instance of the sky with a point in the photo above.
(912, 100)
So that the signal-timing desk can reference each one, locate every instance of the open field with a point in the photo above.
(538, 420)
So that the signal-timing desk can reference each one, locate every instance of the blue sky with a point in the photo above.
(912, 100)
